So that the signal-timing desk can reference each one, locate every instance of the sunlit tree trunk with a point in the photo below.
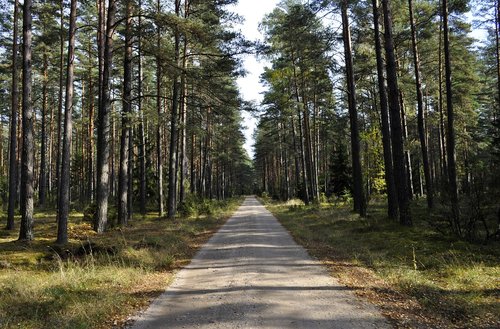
(172, 172)
(159, 157)
(392, 202)
(103, 128)
(396, 125)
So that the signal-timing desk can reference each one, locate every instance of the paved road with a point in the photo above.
(251, 274)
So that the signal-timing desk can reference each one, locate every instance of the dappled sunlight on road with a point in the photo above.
(251, 274)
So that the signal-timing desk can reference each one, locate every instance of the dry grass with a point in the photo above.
(96, 281)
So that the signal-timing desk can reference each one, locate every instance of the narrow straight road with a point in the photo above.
(251, 274)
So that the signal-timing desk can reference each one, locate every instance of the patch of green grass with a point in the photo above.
(95, 281)
(453, 279)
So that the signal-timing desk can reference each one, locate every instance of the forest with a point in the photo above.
(377, 146)
(396, 100)
(123, 106)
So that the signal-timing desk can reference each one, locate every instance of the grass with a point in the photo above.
(417, 276)
(96, 281)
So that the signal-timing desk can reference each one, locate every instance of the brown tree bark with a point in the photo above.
(42, 182)
(27, 157)
(442, 129)
(60, 97)
(90, 134)
(159, 153)
(452, 170)
(420, 111)
(408, 162)
(172, 174)
(392, 201)
(103, 128)
(123, 179)
(13, 125)
(141, 132)
(359, 197)
(396, 125)
(64, 182)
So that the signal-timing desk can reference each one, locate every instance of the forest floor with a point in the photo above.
(417, 276)
(96, 281)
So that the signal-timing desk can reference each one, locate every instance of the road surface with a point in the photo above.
(251, 274)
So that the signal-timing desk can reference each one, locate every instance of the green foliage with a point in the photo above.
(90, 213)
(340, 172)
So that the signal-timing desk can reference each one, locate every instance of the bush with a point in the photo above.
(90, 212)
(188, 207)
(206, 207)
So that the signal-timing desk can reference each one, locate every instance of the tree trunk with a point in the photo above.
(13, 125)
(452, 171)
(396, 128)
(172, 174)
(183, 138)
(183, 123)
(90, 134)
(420, 111)
(192, 165)
(159, 123)
(392, 201)
(60, 98)
(497, 53)
(112, 176)
(295, 152)
(103, 128)
(50, 151)
(305, 178)
(409, 169)
(27, 157)
(42, 183)
(123, 179)
(359, 197)
(142, 141)
(64, 184)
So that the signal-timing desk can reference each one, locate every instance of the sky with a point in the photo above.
(253, 11)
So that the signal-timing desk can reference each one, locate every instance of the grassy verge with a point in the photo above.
(97, 281)
(418, 277)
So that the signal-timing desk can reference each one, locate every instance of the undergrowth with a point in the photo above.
(96, 281)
